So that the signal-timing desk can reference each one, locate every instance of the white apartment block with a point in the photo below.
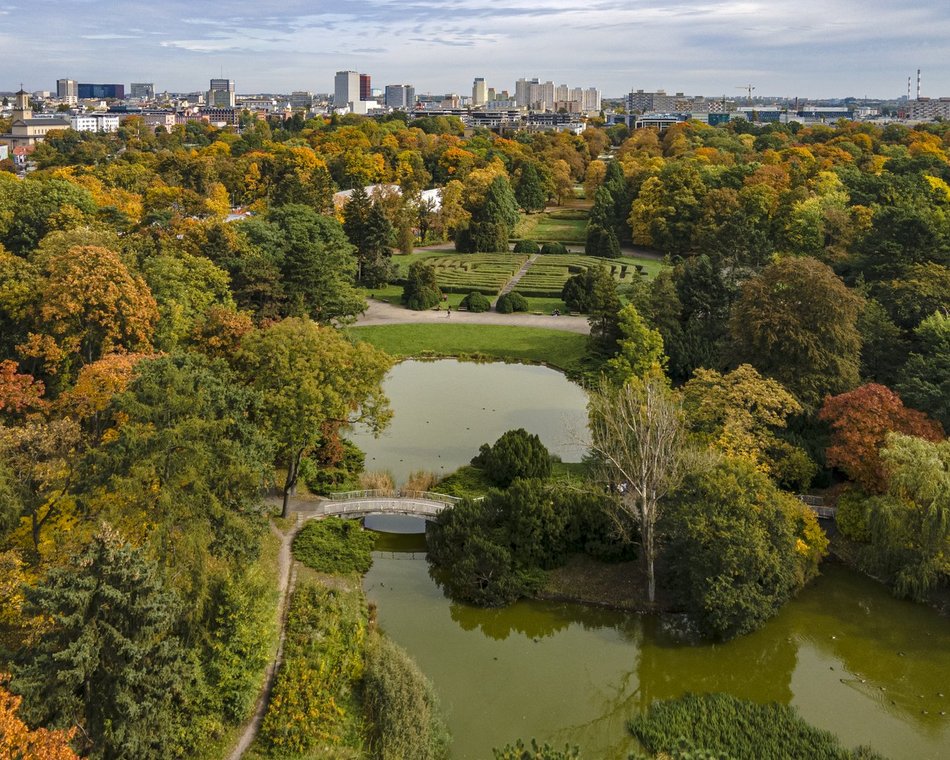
(95, 122)
(926, 109)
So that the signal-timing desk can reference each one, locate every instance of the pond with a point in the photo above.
(446, 409)
(853, 660)
(848, 656)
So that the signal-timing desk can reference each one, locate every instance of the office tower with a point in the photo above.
(67, 89)
(100, 91)
(479, 92)
(301, 99)
(400, 96)
(143, 90)
(221, 94)
(346, 88)
(366, 87)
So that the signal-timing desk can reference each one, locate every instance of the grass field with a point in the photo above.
(563, 350)
(563, 225)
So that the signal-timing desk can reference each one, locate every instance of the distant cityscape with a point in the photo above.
(532, 104)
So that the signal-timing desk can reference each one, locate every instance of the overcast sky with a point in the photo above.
(815, 48)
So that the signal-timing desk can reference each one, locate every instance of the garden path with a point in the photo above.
(380, 313)
(510, 285)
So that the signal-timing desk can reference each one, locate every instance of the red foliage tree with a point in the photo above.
(860, 420)
(18, 741)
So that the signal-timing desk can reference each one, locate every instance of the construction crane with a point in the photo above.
(749, 88)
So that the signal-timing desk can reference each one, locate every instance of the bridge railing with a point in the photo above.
(817, 504)
(387, 493)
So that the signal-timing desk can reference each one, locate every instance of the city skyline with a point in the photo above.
(834, 48)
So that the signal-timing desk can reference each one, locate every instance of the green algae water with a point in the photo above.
(444, 410)
(848, 656)
(852, 659)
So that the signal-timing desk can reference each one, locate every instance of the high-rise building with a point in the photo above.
(67, 89)
(545, 98)
(523, 92)
(346, 88)
(142, 90)
(400, 96)
(366, 87)
(300, 99)
(100, 91)
(479, 92)
(221, 94)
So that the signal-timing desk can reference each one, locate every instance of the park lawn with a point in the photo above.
(556, 348)
(551, 225)
(543, 304)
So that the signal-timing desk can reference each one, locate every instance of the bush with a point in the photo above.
(401, 706)
(526, 246)
(555, 248)
(476, 301)
(774, 544)
(725, 726)
(510, 302)
(516, 454)
(466, 482)
(335, 545)
(852, 516)
(323, 477)
(421, 291)
(377, 480)
(323, 648)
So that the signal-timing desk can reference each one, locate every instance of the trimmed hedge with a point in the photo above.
(526, 246)
(510, 302)
(476, 302)
(555, 248)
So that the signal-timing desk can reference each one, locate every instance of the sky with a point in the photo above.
(804, 48)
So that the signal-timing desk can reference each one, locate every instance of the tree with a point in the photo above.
(601, 242)
(739, 547)
(639, 440)
(18, 742)
(860, 421)
(110, 661)
(910, 526)
(421, 290)
(370, 232)
(641, 348)
(492, 219)
(516, 454)
(797, 322)
(18, 393)
(312, 379)
(92, 305)
(925, 378)
(315, 259)
(529, 191)
(740, 414)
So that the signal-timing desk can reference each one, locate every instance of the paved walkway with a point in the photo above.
(510, 285)
(381, 313)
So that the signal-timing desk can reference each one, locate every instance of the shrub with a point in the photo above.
(516, 454)
(526, 246)
(852, 515)
(401, 706)
(376, 480)
(466, 482)
(421, 291)
(323, 648)
(335, 545)
(476, 301)
(555, 248)
(725, 726)
(323, 473)
(510, 302)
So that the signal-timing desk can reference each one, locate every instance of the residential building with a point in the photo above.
(95, 122)
(221, 94)
(301, 100)
(523, 91)
(650, 102)
(401, 97)
(88, 91)
(927, 109)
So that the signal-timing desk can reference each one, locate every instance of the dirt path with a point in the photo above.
(286, 577)
(381, 313)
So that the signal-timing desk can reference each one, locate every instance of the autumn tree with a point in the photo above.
(18, 742)
(92, 305)
(640, 348)
(109, 662)
(19, 393)
(312, 377)
(741, 414)
(639, 441)
(797, 322)
(860, 421)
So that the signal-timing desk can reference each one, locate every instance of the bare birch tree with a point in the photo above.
(638, 435)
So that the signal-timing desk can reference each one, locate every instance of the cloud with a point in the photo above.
(808, 47)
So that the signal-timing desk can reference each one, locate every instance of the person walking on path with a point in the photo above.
(448, 312)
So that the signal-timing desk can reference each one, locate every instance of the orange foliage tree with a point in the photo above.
(18, 742)
(18, 393)
(860, 421)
